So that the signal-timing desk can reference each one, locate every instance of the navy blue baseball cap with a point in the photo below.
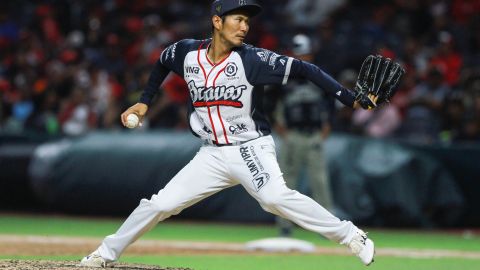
(222, 7)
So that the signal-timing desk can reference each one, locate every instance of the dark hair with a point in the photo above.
(223, 20)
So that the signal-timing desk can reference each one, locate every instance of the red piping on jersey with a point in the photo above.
(200, 64)
(206, 81)
(223, 126)
(213, 126)
(218, 74)
(218, 106)
(210, 61)
(214, 66)
(218, 103)
(208, 76)
(206, 55)
(236, 104)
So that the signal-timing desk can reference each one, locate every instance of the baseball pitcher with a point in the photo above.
(225, 78)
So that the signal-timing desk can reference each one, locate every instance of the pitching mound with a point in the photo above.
(69, 265)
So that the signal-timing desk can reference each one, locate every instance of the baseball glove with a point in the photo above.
(377, 81)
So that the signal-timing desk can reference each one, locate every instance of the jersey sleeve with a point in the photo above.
(157, 76)
(174, 55)
(171, 59)
(311, 72)
(266, 67)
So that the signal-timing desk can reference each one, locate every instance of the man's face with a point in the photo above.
(235, 27)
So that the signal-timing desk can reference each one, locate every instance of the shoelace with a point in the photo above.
(364, 238)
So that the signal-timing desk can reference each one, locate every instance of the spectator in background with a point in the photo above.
(307, 13)
(76, 115)
(453, 112)
(171, 106)
(304, 125)
(332, 46)
(470, 128)
(380, 123)
(447, 58)
(44, 119)
(22, 109)
(401, 100)
(422, 119)
(416, 56)
(104, 95)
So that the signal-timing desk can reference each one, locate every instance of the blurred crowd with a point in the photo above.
(71, 66)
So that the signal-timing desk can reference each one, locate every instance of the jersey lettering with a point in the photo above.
(249, 161)
(219, 95)
(238, 129)
(191, 70)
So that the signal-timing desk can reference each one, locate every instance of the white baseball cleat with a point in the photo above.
(93, 260)
(363, 247)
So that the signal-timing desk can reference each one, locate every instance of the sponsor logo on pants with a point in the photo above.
(260, 181)
(260, 178)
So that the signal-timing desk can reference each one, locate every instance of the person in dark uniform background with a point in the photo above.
(303, 118)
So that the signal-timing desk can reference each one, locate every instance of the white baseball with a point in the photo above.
(132, 121)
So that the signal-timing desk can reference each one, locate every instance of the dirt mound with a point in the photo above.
(69, 265)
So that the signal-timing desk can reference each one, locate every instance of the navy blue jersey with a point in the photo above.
(226, 97)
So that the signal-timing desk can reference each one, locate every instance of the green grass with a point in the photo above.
(426, 240)
(63, 226)
(303, 262)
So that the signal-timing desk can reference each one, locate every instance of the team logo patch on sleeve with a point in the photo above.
(264, 55)
(273, 60)
(170, 51)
